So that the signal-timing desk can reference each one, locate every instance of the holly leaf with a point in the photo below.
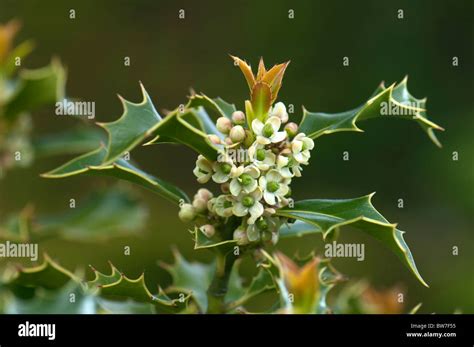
(70, 299)
(328, 215)
(117, 286)
(392, 102)
(190, 278)
(48, 275)
(186, 128)
(298, 229)
(135, 124)
(102, 215)
(35, 88)
(219, 107)
(73, 141)
(91, 163)
(239, 295)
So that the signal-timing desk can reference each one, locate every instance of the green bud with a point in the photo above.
(248, 201)
(267, 130)
(262, 224)
(246, 179)
(226, 168)
(272, 187)
(260, 154)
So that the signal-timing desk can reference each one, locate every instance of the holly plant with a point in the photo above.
(253, 154)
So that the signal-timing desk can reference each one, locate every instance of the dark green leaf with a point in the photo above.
(359, 213)
(395, 98)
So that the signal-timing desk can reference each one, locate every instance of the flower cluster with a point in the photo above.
(254, 172)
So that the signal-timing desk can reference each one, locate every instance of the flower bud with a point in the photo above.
(279, 110)
(238, 117)
(187, 213)
(291, 129)
(228, 141)
(214, 139)
(203, 193)
(224, 125)
(240, 236)
(200, 205)
(237, 134)
(208, 230)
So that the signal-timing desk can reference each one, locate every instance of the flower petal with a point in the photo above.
(257, 126)
(269, 198)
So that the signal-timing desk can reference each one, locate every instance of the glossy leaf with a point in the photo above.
(91, 163)
(328, 215)
(79, 140)
(134, 125)
(382, 104)
(117, 286)
(186, 128)
(190, 278)
(55, 302)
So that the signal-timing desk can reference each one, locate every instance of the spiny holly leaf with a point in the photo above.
(219, 107)
(48, 275)
(239, 295)
(392, 102)
(328, 215)
(35, 88)
(185, 127)
(135, 124)
(91, 163)
(190, 278)
(78, 140)
(117, 286)
(70, 299)
(103, 214)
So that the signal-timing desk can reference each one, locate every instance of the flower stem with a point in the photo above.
(219, 285)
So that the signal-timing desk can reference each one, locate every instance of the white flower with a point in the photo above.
(268, 133)
(249, 203)
(279, 110)
(224, 170)
(300, 147)
(223, 205)
(262, 158)
(246, 181)
(274, 187)
(203, 170)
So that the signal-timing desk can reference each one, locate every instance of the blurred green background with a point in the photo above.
(169, 56)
